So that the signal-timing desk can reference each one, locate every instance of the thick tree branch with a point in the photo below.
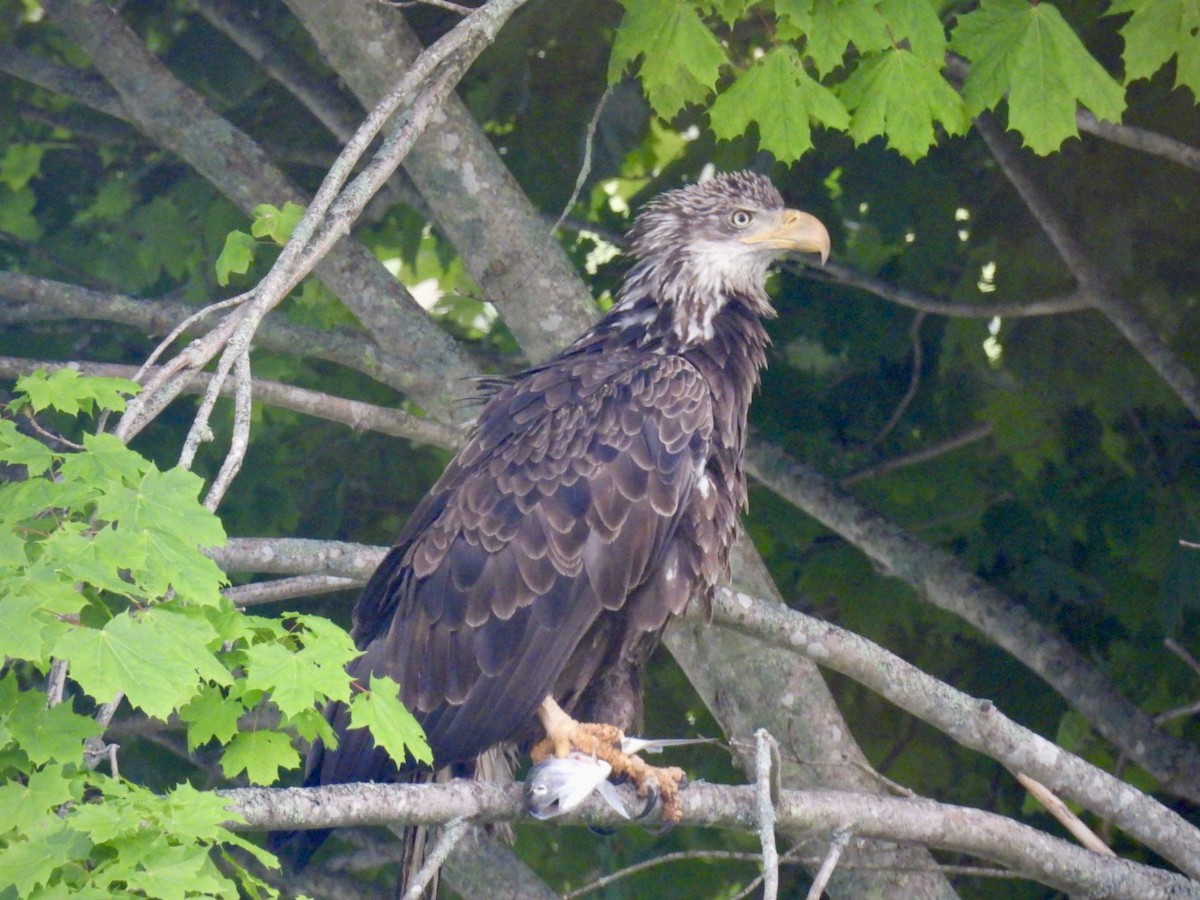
(1035, 855)
(976, 724)
(318, 95)
(178, 119)
(473, 197)
(781, 640)
(946, 583)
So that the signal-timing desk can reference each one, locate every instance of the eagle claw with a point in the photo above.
(659, 784)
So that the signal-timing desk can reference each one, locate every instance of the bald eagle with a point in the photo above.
(598, 494)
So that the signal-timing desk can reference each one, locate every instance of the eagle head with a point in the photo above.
(701, 246)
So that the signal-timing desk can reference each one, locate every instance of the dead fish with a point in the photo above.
(557, 786)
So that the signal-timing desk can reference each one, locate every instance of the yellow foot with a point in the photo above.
(564, 734)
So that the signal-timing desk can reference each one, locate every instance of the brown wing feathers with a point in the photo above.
(562, 505)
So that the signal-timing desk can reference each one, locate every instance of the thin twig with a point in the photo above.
(287, 589)
(679, 856)
(841, 837)
(353, 413)
(240, 439)
(766, 795)
(457, 8)
(585, 167)
(1179, 650)
(914, 381)
(451, 835)
(932, 451)
(1066, 818)
(840, 273)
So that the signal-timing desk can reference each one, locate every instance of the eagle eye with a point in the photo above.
(740, 218)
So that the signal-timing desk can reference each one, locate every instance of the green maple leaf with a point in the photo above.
(261, 754)
(22, 450)
(20, 164)
(1158, 30)
(729, 10)
(104, 460)
(26, 865)
(165, 502)
(681, 58)
(174, 872)
(210, 715)
(293, 683)
(917, 22)
(1029, 51)
(22, 805)
(152, 656)
(899, 94)
(44, 735)
(274, 223)
(236, 256)
(33, 616)
(173, 563)
(69, 392)
(780, 96)
(392, 726)
(836, 25)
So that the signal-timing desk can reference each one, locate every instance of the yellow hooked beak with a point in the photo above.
(790, 229)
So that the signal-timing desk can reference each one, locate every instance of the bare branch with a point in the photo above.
(1038, 856)
(1092, 280)
(931, 451)
(1066, 818)
(84, 88)
(453, 832)
(356, 414)
(914, 381)
(456, 8)
(240, 25)
(944, 581)
(287, 589)
(766, 791)
(973, 723)
(354, 350)
(1140, 139)
(841, 274)
(841, 838)
(179, 120)
(474, 199)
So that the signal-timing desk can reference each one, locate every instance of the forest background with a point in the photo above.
(976, 445)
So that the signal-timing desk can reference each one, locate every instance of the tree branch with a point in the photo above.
(355, 350)
(1093, 281)
(475, 201)
(924, 454)
(354, 413)
(944, 581)
(1037, 856)
(973, 723)
(1140, 139)
(839, 273)
(177, 118)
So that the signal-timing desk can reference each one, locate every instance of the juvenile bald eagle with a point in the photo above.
(598, 494)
